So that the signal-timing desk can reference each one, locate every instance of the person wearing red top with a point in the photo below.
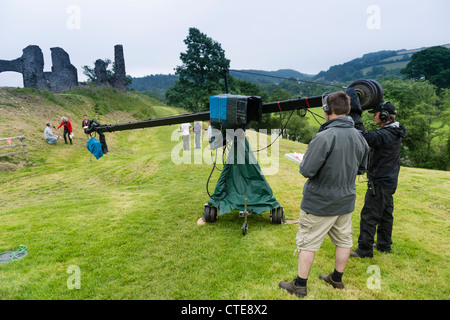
(67, 129)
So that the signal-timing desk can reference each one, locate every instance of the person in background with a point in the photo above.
(384, 167)
(198, 134)
(48, 134)
(333, 159)
(210, 135)
(85, 125)
(67, 129)
(185, 131)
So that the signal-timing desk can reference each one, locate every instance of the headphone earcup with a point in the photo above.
(325, 106)
(384, 116)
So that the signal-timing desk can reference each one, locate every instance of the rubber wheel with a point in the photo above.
(277, 215)
(210, 213)
(244, 228)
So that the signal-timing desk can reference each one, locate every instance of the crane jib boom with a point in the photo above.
(286, 105)
(370, 94)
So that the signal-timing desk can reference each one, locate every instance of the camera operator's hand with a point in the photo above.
(354, 101)
(355, 109)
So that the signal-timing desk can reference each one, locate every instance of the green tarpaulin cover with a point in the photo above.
(242, 178)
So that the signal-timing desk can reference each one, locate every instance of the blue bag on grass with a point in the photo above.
(95, 147)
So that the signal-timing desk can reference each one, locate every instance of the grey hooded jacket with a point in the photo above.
(335, 155)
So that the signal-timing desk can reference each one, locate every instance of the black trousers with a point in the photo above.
(376, 218)
(67, 133)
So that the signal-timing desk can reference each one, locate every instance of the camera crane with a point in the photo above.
(236, 112)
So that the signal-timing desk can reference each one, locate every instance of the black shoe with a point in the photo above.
(381, 249)
(328, 279)
(293, 289)
(356, 254)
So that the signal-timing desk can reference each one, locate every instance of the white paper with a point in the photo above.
(297, 157)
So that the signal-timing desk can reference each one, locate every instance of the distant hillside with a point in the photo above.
(158, 83)
(370, 65)
(263, 77)
(155, 83)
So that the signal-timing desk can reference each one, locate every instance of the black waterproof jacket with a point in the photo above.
(384, 155)
(384, 143)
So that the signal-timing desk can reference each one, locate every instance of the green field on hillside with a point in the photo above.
(129, 222)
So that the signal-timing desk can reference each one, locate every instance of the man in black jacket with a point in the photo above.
(383, 169)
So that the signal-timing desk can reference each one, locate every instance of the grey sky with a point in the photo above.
(307, 36)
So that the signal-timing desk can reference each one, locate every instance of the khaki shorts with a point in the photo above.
(313, 229)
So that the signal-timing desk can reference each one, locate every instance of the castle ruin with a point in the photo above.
(63, 75)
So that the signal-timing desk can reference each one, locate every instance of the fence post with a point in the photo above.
(24, 148)
(22, 144)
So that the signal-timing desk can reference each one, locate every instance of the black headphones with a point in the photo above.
(325, 106)
(384, 114)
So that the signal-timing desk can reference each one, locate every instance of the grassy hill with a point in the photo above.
(129, 221)
(370, 65)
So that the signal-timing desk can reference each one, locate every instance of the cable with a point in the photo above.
(287, 121)
(226, 178)
(314, 116)
(285, 125)
(292, 79)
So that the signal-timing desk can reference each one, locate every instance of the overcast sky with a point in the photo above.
(307, 36)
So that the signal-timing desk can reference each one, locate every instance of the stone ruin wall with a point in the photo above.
(118, 80)
(63, 75)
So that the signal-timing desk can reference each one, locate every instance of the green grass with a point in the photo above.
(387, 66)
(129, 222)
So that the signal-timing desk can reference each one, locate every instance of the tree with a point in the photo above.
(204, 65)
(203, 61)
(425, 116)
(432, 64)
(90, 72)
(92, 77)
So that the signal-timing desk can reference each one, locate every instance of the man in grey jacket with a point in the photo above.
(336, 154)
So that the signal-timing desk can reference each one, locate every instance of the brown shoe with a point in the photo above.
(292, 288)
(327, 279)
